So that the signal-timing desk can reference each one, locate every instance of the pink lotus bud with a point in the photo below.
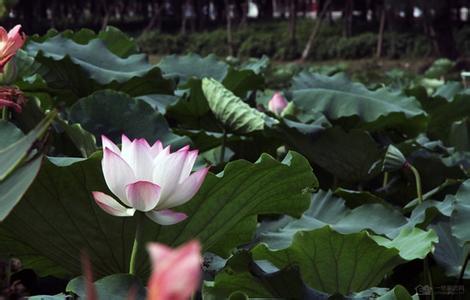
(176, 274)
(12, 97)
(9, 44)
(149, 179)
(277, 103)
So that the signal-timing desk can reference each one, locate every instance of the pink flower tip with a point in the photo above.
(277, 103)
(176, 273)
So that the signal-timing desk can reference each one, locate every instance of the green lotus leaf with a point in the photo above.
(73, 222)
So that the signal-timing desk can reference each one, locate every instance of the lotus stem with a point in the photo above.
(385, 181)
(137, 242)
(4, 114)
(464, 266)
(419, 191)
(222, 150)
(428, 275)
(419, 194)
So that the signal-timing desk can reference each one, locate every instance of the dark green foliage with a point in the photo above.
(273, 40)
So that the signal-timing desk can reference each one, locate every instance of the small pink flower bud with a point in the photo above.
(176, 273)
(277, 103)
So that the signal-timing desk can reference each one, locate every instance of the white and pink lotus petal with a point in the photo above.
(117, 174)
(156, 148)
(168, 171)
(107, 143)
(186, 190)
(166, 216)
(137, 155)
(143, 195)
(111, 205)
(188, 165)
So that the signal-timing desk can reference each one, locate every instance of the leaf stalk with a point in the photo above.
(137, 243)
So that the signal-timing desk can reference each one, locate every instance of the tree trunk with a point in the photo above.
(184, 18)
(265, 8)
(105, 9)
(220, 7)
(442, 25)
(229, 27)
(381, 32)
(157, 16)
(244, 14)
(292, 20)
(409, 18)
(392, 28)
(347, 18)
(316, 28)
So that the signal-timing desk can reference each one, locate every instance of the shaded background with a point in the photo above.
(281, 29)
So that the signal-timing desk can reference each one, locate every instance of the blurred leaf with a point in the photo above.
(76, 70)
(443, 113)
(398, 293)
(82, 139)
(346, 155)
(213, 156)
(15, 185)
(192, 109)
(115, 40)
(9, 134)
(325, 209)
(159, 102)
(337, 97)
(94, 58)
(459, 135)
(449, 90)
(449, 252)
(412, 243)
(13, 154)
(257, 65)
(355, 199)
(11, 247)
(117, 286)
(114, 113)
(258, 279)
(49, 297)
(460, 219)
(118, 42)
(192, 66)
(239, 82)
(439, 68)
(344, 263)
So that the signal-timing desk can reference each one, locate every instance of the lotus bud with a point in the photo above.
(176, 273)
(277, 103)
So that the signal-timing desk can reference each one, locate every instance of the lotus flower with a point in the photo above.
(277, 103)
(9, 44)
(176, 273)
(148, 178)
